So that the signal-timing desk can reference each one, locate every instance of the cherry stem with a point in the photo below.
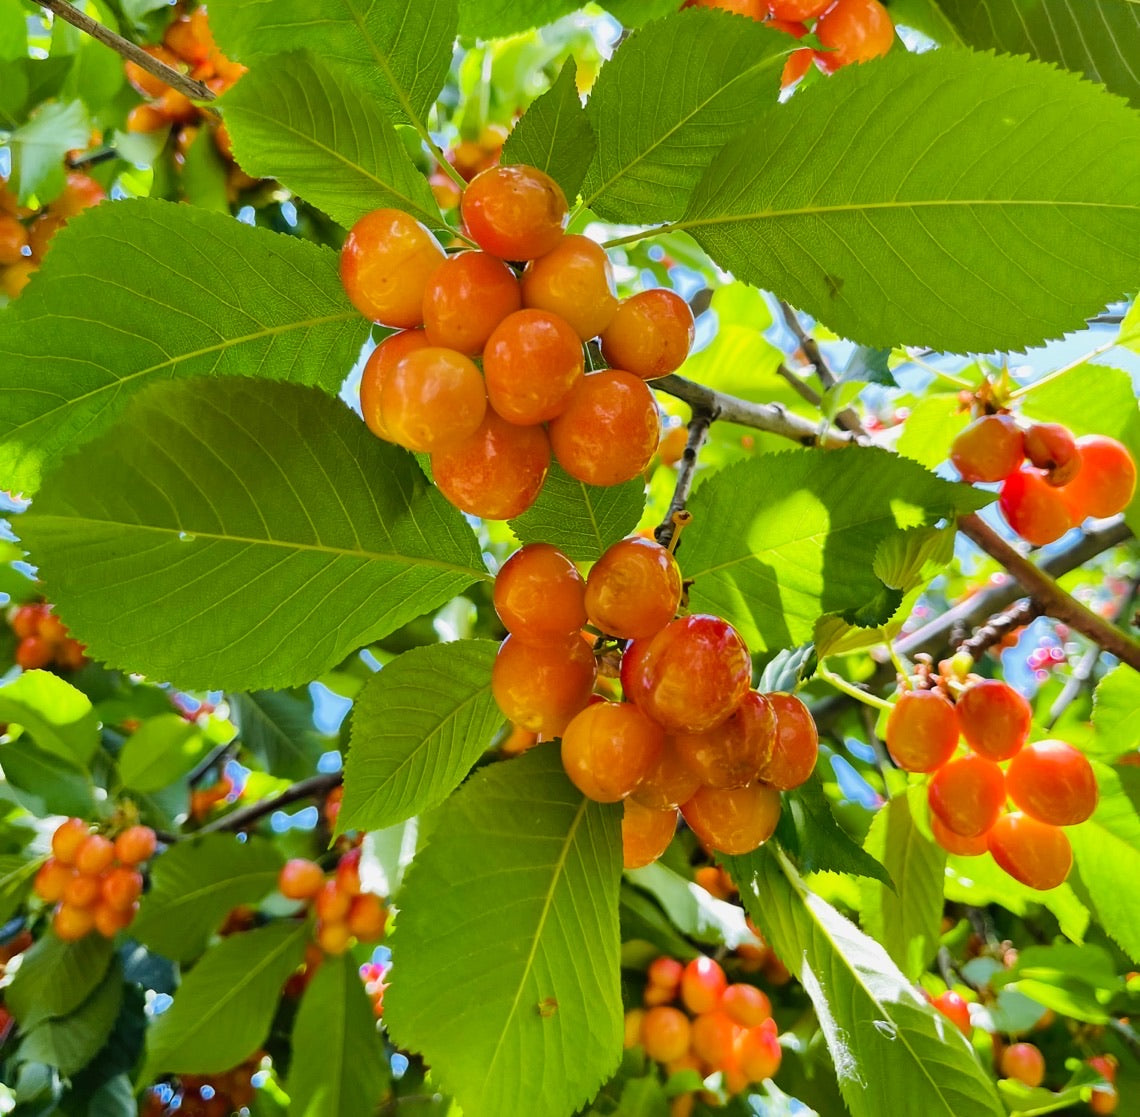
(1025, 389)
(312, 788)
(853, 691)
(901, 669)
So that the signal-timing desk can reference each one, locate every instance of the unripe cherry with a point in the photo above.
(650, 334)
(666, 973)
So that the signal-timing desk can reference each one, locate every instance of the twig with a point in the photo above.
(1123, 1029)
(698, 433)
(195, 90)
(311, 788)
(804, 390)
(852, 690)
(846, 419)
(1054, 601)
(998, 627)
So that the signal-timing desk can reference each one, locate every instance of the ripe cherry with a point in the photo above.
(143, 80)
(797, 64)
(367, 917)
(1103, 1100)
(955, 843)
(575, 281)
(69, 836)
(733, 820)
(1053, 782)
(671, 448)
(758, 1052)
(796, 746)
(348, 872)
(714, 1038)
(634, 589)
(666, 973)
(608, 430)
(34, 652)
(27, 619)
(1037, 511)
(670, 782)
(71, 923)
(650, 334)
(109, 921)
(856, 31)
(135, 845)
(377, 369)
(702, 984)
(994, 718)
(514, 212)
(967, 795)
(1024, 1062)
(13, 240)
(746, 1004)
(1034, 853)
(80, 193)
(332, 903)
(333, 936)
(82, 890)
(433, 399)
(466, 297)
(645, 833)
(1052, 448)
(956, 1010)
(542, 686)
(539, 595)
(385, 265)
(665, 1033)
(1105, 482)
(798, 9)
(95, 855)
(532, 363)
(989, 449)
(609, 748)
(300, 879)
(734, 752)
(51, 880)
(922, 731)
(496, 473)
(121, 887)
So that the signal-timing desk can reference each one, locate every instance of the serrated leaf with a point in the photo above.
(160, 752)
(692, 910)
(907, 559)
(809, 832)
(907, 920)
(782, 539)
(786, 669)
(16, 872)
(56, 715)
(277, 728)
(492, 19)
(889, 1046)
(581, 520)
(1130, 328)
(56, 977)
(1116, 713)
(399, 50)
(417, 728)
(555, 134)
(1007, 160)
(194, 886)
(633, 13)
(39, 145)
(68, 1043)
(137, 292)
(344, 1070)
(114, 1098)
(44, 783)
(294, 119)
(932, 425)
(223, 1009)
(507, 943)
(260, 567)
(656, 136)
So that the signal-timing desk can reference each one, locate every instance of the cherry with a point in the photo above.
(922, 731)
(994, 718)
(955, 1009)
(734, 752)
(496, 473)
(385, 265)
(856, 31)
(466, 297)
(40, 233)
(26, 620)
(13, 240)
(377, 369)
(34, 652)
(797, 64)
(753, 9)
(733, 820)
(575, 281)
(69, 836)
(967, 794)
(332, 903)
(348, 872)
(1105, 482)
(539, 594)
(702, 984)
(634, 589)
(1037, 511)
(1034, 853)
(746, 1005)
(135, 844)
(79, 193)
(650, 334)
(793, 756)
(190, 39)
(532, 363)
(609, 748)
(82, 890)
(1051, 447)
(109, 921)
(1053, 782)
(798, 9)
(645, 833)
(669, 783)
(666, 973)
(367, 917)
(51, 880)
(542, 686)
(714, 1038)
(955, 843)
(665, 1033)
(334, 937)
(515, 212)
(758, 1052)
(1024, 1062)
(71, 923)
(608, 430)
(121, 887)
(1103, 1099)
(95, 855)
(15, 278)
(671, 448)
(432, 399)
(631, 1036)
(989, 449)
(300, 879)
(143, 80)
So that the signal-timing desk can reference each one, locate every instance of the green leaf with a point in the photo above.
(1078, 981)
(398, 50)
(225, 1004)
(114, 1098)
(16, 872)
(936, 227)
(56, 977)
(509, 982)
(137, 292)
(69, 1043)
(906, 920)
(38, 147)
(657, 134)
(194, 886)
(417, 728)
(205, 174)
(634, 13)
(160, 752)
(343, 1069)
(809, 832)
(555, 134)
(1130, 328)
(44, 783)
(294, 119)
(888, 1045)
(277, 728)
(907, 559)
(692, 910)
(1097, 38)
(493, 19)
(933, 423)
(1116, 713)
(56, 715)
(260, 567)
(782, 539)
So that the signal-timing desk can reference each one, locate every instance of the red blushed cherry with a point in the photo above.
(1024, 1062)
(34, 652)
(542, 686)
(702, 985)
(967, 794)
(539, 595)
(1051, 447)
(645, 833)
(1053, 782)
(1037, 511)
(650, 334)
(1105, 482)
(746, 1005)
(989, 449)
(956, 1010)
(532, 363)
(378, 369)
(955, 843)
(994, 718)
(514, 212)
(433, 399)
(796, 745)
(669, 783)
(732, 754)
(575, 281)
(922, 731)
(733, 820)
(466, 297)
(855, 31)
(634, 589)
(1103, 1100)
(300, 879)
(1034, 853)
(609, 748)
(759, 1052)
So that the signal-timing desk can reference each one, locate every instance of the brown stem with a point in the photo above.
(686, 471)
(1054, 601)
(805, 391)
(998, 627)
(195, 90)
(312, 788)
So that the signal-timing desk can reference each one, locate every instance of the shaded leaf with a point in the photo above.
(277, 728)
(160, 752)
(44, 783)
(692, 910)
(56, 977)
(16, 872)
(70, 1042)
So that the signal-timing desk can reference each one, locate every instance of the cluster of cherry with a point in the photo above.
(1050, 783)
(197, 1095)
(491, 431)
(44, 639)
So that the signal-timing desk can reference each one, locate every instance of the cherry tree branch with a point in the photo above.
(312, 788)
(195, 90)
(999, 626)
(687, 469)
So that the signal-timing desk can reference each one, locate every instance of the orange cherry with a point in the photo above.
(922, 731)
(532, 363)
(609, 748)
(379, 367)
(466, 297)
(733, 820)
(542, 686)
(433, 399)
(796, 747)
(634, 589)
(539, 594)
(514, 212)
(650, 334)
(1034, 853)
(575, 281)
(645, 833)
